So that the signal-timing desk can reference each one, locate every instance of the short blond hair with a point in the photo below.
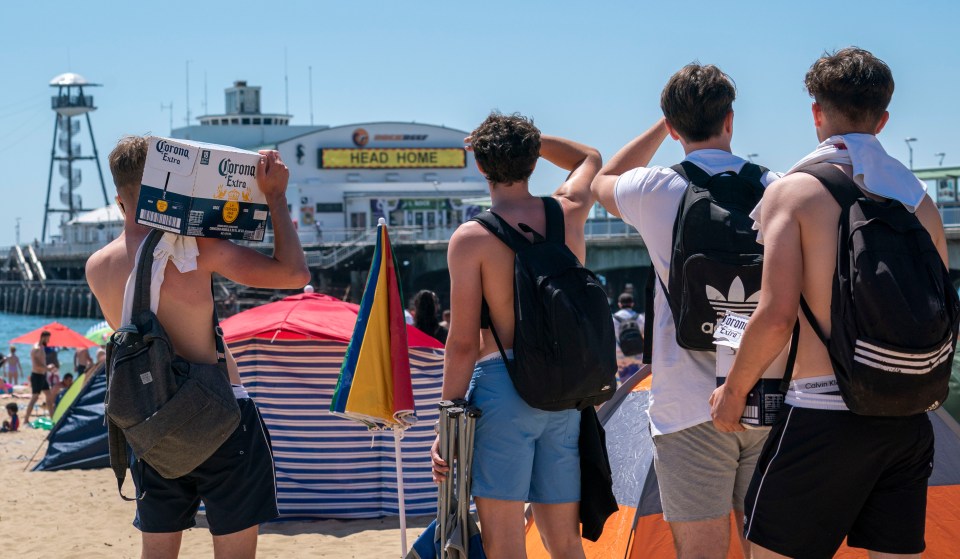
(127, 161)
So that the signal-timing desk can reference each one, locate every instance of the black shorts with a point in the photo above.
(826, 475)
(38, 383)
(237, 485)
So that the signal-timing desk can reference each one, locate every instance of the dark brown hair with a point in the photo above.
(127, 161)
(696, 100)
(506, 147)
(852, 83)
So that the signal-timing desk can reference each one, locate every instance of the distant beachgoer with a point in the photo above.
(81, 361)
(427, 306)
(237, 483)
(101, 357)
(446, 319)
(14, 369)
(521, 454)
(827, 473)
(12, 423)
(61, 389)
(38, 376)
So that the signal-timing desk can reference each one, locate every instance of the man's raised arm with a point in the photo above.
(287, 268)
(637, 153)
(582, 161)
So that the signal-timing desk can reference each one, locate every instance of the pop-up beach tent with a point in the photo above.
(289, 354)
(639, 531)
(78, 440)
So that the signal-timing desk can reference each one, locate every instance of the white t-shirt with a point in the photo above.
(648, 199)
(626, 315)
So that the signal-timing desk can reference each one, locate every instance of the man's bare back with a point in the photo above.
(817, 215)
(38, 359)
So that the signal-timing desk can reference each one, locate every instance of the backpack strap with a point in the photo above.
(553, 212)
(837, 183)
(795, 342)
(692, 173)
(649, 294)
(502, 230)
(141, 286)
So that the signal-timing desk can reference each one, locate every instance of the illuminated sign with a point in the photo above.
(393, 158)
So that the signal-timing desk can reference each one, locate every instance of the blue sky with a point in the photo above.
(590, 71)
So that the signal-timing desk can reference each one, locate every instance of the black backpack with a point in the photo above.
(629, 336)
(716, 262)
(174, 414)
(894, 312)
(564, 347)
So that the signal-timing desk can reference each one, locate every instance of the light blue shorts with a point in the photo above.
(521, 453)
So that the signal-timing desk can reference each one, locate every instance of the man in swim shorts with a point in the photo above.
(702, 473)
(521, 454)
(237, 483)
(38, 377)
(825, 472)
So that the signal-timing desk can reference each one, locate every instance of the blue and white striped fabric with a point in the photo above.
(329, 467)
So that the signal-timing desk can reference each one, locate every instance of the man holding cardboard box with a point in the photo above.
(239, 490)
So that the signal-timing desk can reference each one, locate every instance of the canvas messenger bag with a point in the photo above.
(174, 414)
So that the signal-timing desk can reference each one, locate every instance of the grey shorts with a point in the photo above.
(704, 473)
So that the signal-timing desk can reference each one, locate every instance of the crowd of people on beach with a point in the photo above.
(819, 475)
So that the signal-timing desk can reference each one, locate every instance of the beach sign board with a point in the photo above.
(202, 190)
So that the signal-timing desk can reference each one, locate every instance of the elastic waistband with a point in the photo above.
(818, 393)
(495, 356)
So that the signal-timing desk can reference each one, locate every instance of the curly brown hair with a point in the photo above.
(852, 83)
(127, 161)
(506, 147)
(696, 100)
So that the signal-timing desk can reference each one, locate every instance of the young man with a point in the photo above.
(827, 473)
(625, 314)
(520, 453)
(702, 473)
(38, 377)
(237, 483)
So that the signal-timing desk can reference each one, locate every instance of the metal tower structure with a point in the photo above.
(70, 102)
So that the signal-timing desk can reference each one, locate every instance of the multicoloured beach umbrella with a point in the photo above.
(374, 386)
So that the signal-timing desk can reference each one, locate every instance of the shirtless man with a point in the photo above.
(237, 483)
(521, 454)
(38, 377)
(825, 472)
(81, 361)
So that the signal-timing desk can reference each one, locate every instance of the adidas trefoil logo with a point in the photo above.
(734, 301)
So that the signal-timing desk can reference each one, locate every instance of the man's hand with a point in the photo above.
(272, 174)
(726, 409)
(440, 468)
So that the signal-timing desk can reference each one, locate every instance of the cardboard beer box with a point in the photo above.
(765, 398)
(202, 190)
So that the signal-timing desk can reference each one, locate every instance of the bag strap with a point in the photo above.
(502, 230)
(649, 295)
(795, 341)
(692, 173)
(553, 212)
(837, 183)
(141, 287)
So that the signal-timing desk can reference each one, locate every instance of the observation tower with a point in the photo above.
(70, 103)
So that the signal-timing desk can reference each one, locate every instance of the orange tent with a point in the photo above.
(638, 530)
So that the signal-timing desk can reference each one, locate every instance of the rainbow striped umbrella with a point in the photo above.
(374, 386)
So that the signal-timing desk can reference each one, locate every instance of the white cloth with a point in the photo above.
(873, 170)
(648, 199)
(180, 250)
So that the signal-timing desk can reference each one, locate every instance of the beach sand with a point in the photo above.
(77, 514)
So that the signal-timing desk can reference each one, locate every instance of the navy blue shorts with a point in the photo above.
(237, 485)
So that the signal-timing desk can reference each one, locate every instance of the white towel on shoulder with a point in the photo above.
(874, 170)
(181, 250)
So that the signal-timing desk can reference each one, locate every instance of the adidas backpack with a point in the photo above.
(564, 346)
(716, 262)
(894, 312)
(629, 337)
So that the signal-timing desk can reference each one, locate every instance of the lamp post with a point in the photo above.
(909, 142)
(941, 155)
(750, 157)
